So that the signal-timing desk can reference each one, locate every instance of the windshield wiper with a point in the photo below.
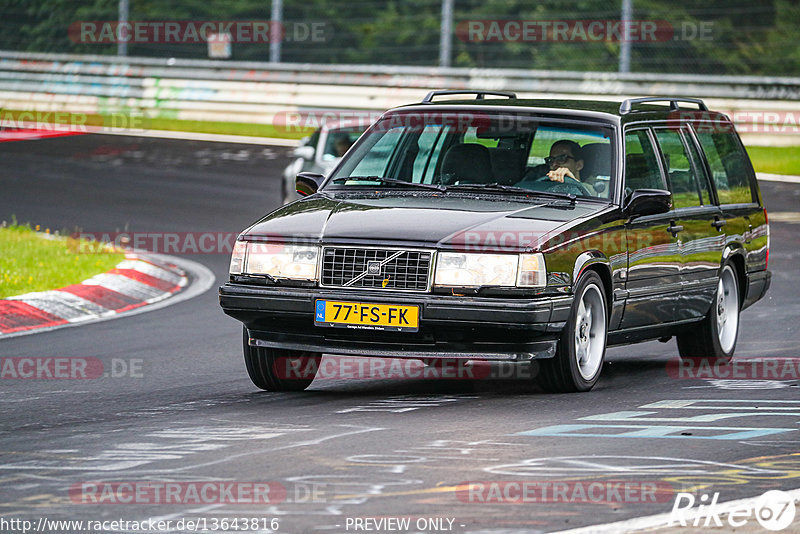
(553, 194)
(501, 187)
(390, 181)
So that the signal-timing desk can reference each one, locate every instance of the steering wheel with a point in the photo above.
(569, 185)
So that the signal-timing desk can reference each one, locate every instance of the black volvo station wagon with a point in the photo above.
(496, 228)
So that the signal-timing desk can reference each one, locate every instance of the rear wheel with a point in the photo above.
(715, 337)
(581, 349)
(279, 370)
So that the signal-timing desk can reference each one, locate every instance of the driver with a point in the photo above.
(566, 159)
(341, 144)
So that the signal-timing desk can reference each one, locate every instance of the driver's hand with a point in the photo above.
(558, 174)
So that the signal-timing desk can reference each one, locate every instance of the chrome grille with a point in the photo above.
(401, 270)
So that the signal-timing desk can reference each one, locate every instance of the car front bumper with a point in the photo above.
(477, 328)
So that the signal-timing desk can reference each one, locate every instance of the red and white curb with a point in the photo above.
(134, 283)
(21, 134)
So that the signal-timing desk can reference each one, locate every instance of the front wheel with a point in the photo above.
(279, 370)
(581, 349)
(715, 338)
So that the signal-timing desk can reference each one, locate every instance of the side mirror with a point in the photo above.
(305, 152)
(648, 202)
(307, 183)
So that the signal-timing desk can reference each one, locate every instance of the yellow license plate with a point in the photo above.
(367, 315)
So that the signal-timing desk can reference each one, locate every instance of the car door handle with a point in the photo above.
(674, 228)
(719, 223)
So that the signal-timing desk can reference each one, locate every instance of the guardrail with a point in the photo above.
(247, 92)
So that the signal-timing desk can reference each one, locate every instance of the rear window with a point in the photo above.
(729, 166)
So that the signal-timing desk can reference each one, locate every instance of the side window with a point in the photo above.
(729, 168)
(679, 170)
(641, 165)
(700, 170)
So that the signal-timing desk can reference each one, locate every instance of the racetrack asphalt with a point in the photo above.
(174, 403)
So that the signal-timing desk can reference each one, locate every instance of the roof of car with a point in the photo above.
(638, 112)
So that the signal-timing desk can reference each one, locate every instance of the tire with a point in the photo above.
(715, 336)
(274, 369)
(582, 346)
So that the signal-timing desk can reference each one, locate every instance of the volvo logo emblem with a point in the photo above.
(373, 267)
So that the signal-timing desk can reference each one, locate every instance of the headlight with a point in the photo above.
(505, 270)
(296, 262)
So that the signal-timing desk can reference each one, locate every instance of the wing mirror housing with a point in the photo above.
(306, 152)
(648, 202)
(307, 183)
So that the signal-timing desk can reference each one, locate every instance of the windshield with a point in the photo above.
(499, 152)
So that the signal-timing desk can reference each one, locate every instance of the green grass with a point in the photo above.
(229, 128)
(31, 262)
(775, 160)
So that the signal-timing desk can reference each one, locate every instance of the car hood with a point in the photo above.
(446, 221)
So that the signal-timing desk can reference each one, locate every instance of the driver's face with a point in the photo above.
(340, 147)
(562, 157)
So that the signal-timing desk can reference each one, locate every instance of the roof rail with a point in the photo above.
(627, 105)
(480, 94)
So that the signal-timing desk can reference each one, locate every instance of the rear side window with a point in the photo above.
(641, 165)
(699, 169)
(729, 167)
(679, 169)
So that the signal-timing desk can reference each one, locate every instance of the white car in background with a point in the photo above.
(320, 153)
